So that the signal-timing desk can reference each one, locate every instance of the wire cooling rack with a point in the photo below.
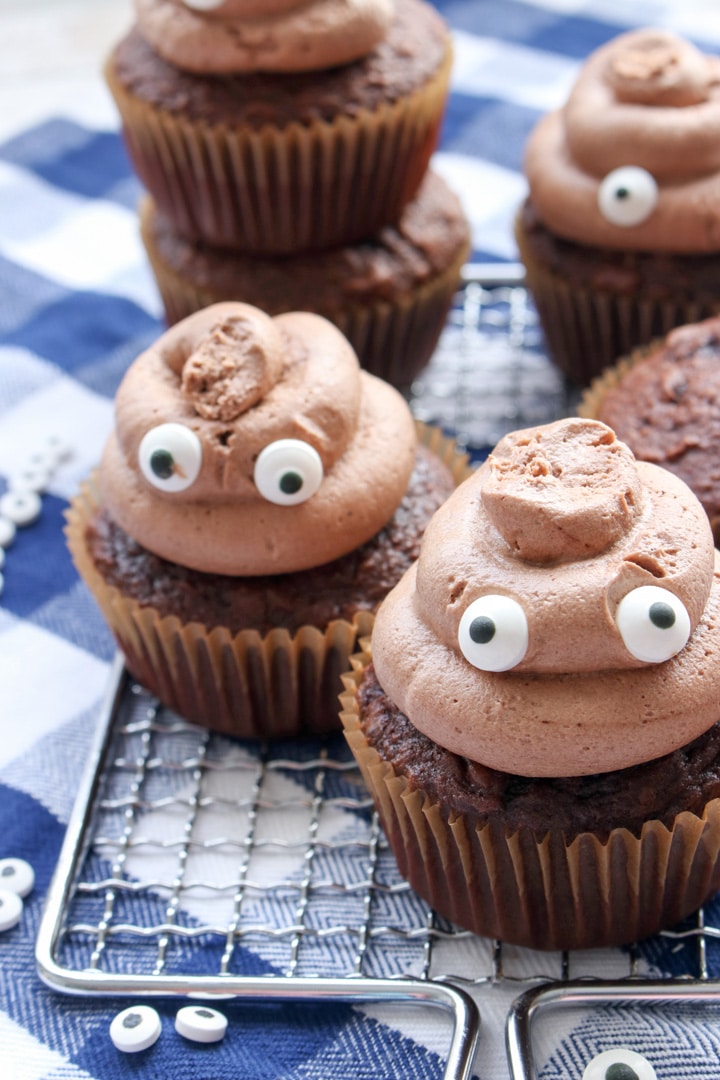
(200, 866)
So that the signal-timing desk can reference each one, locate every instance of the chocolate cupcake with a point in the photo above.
(621, 230)
(284, 126)
(538, 719)
(259, 496)
(389, 295)
(664, 402)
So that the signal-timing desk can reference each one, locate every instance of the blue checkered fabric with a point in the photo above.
(77, 304)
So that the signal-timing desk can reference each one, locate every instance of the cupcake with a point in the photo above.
(258, 497)
(664, 402)
(620, 234)
(281, 126)
(389, 295)
(538, 713)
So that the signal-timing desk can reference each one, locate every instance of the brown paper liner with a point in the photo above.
(593, 395)
(392, 340)
(281, 190)
(245, 684)
(541, 892)
(586, 330)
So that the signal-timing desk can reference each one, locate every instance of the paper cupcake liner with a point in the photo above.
(586, 330)
(593, 395)
(245, 684)
(393, 340)
(281, 190)
(542, 892)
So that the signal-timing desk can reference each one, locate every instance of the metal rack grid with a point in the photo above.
(185, 846)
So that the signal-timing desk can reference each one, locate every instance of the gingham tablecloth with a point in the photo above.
(77, 304)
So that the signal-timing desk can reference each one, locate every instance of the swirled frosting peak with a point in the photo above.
(649, 102)
(564, 615)
(225, 37)
(250, 445)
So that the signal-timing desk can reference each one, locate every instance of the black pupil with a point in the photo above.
(290, 483)
(132, 1020)
(622, 193)
(482, 630)
(661, 615)
(621, 1071)
(8, 871)
(205, 1013)
(162, 464)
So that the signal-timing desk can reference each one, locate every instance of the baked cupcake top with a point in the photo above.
(562, 618)
(632, 161)
(248, 445)
(666, 406)
(223, 37)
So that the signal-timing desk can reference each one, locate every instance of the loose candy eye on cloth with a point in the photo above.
(619, 1064)
(21, 504)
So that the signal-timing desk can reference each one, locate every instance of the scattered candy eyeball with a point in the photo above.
(17, 876)
(31, 478)
(653, 623)
(288, 472)
(7, 532)
(199, 1023)
(493, 633)
(11, 909)
(619, 1064)
(203, 5)
(170, 456)
(21, 507)
(135, 1029)
(627, 196)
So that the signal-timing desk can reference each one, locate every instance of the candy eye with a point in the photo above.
(170, 457)
(627, 196)
(619, 1064)
(204, 5)
(493, 633)
(653, 623)
(288, 472)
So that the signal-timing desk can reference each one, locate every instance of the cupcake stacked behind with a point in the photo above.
(284, 130)
(259, 496)
(620, 233)
(538, 719)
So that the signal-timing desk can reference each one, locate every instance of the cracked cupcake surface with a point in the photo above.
(562, 619)
(247, 445)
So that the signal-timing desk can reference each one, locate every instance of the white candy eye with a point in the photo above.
(135, 1029)
(199, 1023)
(170, 457)
(288, 472)
(493, 633)
(627, 196)
(653, 623)
(619, 1064)
(204, 5)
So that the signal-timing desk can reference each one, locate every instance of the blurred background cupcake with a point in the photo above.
(620, 233)
(276, 127)
(389, 294)
(258, 497)
(663, 400)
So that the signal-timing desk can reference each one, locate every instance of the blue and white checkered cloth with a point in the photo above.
(77, 304)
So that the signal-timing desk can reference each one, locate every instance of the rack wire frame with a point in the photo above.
(160, 793)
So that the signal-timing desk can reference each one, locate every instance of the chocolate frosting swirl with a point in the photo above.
(646, 99)
(238, 382)
(562, 520)
(226, 37)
